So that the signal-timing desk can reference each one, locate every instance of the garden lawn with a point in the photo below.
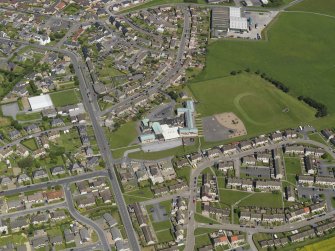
(261, 106)
(30, 144)
(184, 173)
(317, 6)
(63, 98)
(297, 54)
(293, 168)
(28, 116)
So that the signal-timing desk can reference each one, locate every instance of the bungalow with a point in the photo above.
(58, 215)
(15, 205)
(116, 234)
(52, 135)
(68, 236)
(39, 219)
(54, 195)
(76, 168)
(14, 134)
(23, 178)
(19, 224)
(106, 196)
(57, 170)
(35, 198)
(92, 162)
(40, 174)
(33, 128)
(56, 240)
(40, 242)
(57, 122)
(86, 201)
(141, 175)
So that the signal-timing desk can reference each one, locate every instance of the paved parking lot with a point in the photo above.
(213, 130)
(10, 110)
(159, 213)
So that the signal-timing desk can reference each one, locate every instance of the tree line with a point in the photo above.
(321, 108)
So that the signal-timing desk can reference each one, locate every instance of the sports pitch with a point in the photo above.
(261, 107)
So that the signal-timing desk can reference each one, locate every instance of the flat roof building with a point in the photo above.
(41, 102)
(219, 22)
(236, 21)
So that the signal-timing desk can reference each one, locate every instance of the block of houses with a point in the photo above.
(54, 195)
(297, 150)
(181, 163)
(277, 136)
(269, 185)
(35, 198)
(220, 241)
(14, 134)
(229, 149)
(33, 128)
(213, 153)
(39, 153)
(325, 181)
(195, 158)
(5, 153)
(314, 152)
(58, 215)
(289, 193)
(302, 236)
(305, 179)
(237, 239)
(309, 164)
(160, 191)
(224, 166)
(19, 224)
(40, 242)
(318, 207)
(249, 160)
(52, 135)
(245, 145)
(155, 174)
(39, 218)
(86, 201)
(291, 134)
(298, 214)
(111, 222)
(21, 151)
(260, 141)
(265, 158)
(328, 134)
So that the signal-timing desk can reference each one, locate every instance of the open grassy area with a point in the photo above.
(164, 236)
(123, 136)
(138, 195)
(230, 197)
(263, 200)
(30, 144)
(62, 98)
(257, 103)
(203, 219)
(293, 168)
(184, 173)
(319, 6)
(28, 116)
(326, 245)
(317, 137)
(296, 54)
(202, 240)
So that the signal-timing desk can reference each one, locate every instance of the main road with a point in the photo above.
(91, 106)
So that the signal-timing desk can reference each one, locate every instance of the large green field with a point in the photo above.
(317, 6)
(261, 106)
(63, 98)
(298, 52)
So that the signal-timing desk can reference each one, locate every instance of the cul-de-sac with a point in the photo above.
(167, 125)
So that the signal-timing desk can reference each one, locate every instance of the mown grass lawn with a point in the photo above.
(63, 98)
(293, 168)
(141, 194)
(28, 116)
(164, 236)
(263, 200)
(184, 173)
(261, 106)
(230, 197)
(123, 136)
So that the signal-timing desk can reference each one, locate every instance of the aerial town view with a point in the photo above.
(167, 125)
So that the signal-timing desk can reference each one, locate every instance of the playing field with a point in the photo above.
(299, 53)
(318, 6)
(63, 98)
(260, 106)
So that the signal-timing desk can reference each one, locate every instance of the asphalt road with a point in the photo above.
(75, 214)
(63, 181)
